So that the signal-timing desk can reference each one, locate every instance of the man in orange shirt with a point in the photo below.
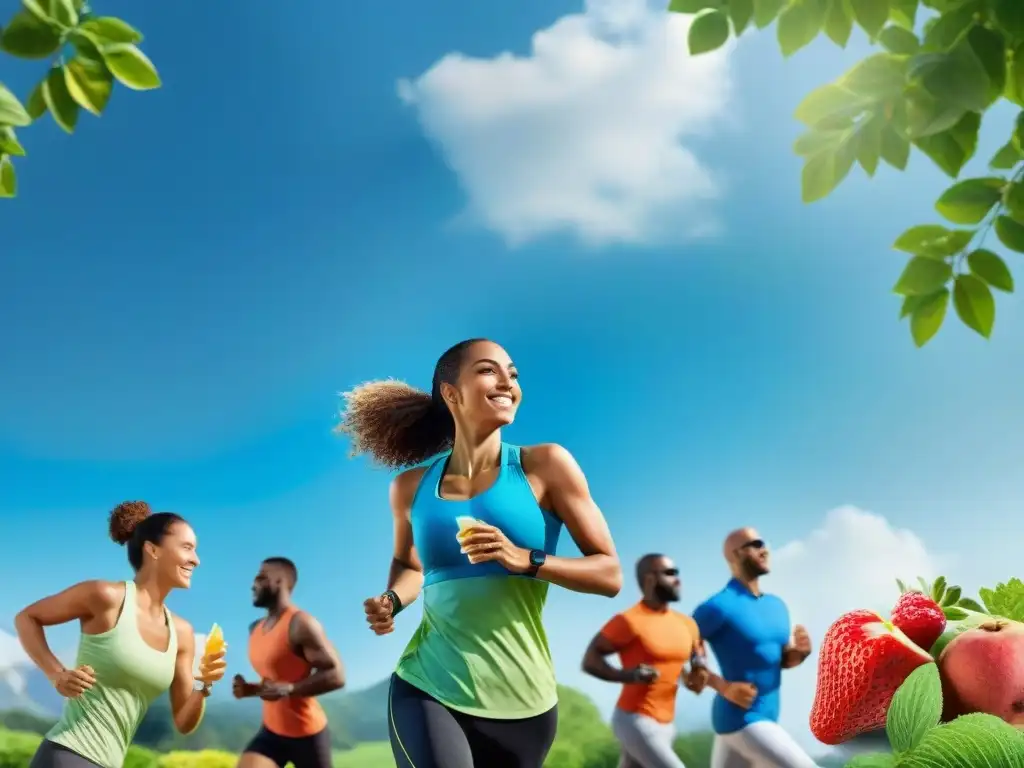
(654, 643)
(295, 662)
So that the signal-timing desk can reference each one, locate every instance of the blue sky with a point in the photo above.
(187, 283)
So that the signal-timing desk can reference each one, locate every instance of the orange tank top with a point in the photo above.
(272, 656)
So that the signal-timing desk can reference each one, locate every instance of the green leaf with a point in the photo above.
(951, 149)
(969, 202)
(825, 170)
(134, 70)
(915, 708)
(36, 105)
(59, 101)
(766, 11)
(956, 78)
(9, 144)
(971, 605)
(938, 588)
(676, 6)
(1018, 133)
(741, 13)
(828, 102)
(902, 587)
(814, 141)
(8, 178)
(878, 77)
(89, 84)
(29, 38)
(951, 596)
(904, 13)
(926, 239)
(1014, 90)
(11, 110)
(989, 46)
(898, 40)
(1006, 600)
(895, 148)
(839, 22)
(871, 15)
(1006, 158)
(1010, 233)
(110, 29)
(869, 143)
(992, 269)
(955, 614)
(927, 115)
(1013, 201)
(970, 741)
(974, 304)
(708, 32)
(923, 276)
(925, 587)
(1009, 14)
(62, 12)
(945, 31)
(927, 316)
(872, 760)
(799, 23)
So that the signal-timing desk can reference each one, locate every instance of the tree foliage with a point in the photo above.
(941, 66)
(87, 55)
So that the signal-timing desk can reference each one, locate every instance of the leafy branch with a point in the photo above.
(927, 91)
(87, 55)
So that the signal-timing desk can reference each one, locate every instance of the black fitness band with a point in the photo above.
(396, 604)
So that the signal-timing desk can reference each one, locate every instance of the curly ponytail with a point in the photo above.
(400, 426)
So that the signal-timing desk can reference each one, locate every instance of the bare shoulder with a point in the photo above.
(103, 594)
(549, 460)
(184, 630)
(404, 485)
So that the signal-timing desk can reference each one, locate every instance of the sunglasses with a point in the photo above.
(754, 544)
(669, 571)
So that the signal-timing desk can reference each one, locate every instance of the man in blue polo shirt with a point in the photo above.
(749, 633)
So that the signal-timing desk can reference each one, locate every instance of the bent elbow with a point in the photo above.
(613, 583)
(337, 680)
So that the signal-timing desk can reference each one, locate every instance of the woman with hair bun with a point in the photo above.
(476, 531)
(132, 648)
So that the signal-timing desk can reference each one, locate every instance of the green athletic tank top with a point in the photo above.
(481, 648)
(101, 723)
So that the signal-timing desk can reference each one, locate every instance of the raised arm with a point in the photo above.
(567, 494)
(93, 603)
(309, 638)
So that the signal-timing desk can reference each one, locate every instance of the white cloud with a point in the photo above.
(588, 134)
(852, 561)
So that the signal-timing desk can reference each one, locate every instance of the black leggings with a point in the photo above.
(427, 734)
(53, 755)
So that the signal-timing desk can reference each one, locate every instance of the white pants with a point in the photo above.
(763, 744)
(646, 743)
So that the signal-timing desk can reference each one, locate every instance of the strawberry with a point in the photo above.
(862, 661)
(919, 617)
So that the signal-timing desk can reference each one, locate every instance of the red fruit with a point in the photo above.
(920, 618)
(982, 670)
(862, 661)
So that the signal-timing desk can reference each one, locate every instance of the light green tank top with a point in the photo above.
(101, 723)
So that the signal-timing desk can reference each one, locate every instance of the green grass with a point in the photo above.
(372, 754)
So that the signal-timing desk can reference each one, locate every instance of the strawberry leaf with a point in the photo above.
(938, 589)
(951, 596)
(925, 587)
(971, 605)
(969, 741)
(955, 614)
(1006, 600)
(873, 760)
(915, 709)
(901, 585)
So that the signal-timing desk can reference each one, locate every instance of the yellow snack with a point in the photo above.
(214, 641)
(465, 523)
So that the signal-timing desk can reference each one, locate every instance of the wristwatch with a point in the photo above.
(200, 687)
(537, 558)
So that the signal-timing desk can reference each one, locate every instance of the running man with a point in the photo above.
(749, 633)
(295, 661)
(131, 649)
(476, 530)
(654, 643)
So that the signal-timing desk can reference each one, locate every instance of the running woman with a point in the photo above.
(291, 654)
(475, 688)
(132, 648)
(749, 633)
(654, 643)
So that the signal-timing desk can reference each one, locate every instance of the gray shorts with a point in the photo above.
(53, 755)
(645, 742)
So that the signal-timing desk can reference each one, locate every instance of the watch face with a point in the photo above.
(537, 557)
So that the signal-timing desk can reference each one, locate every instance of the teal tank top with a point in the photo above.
(481, 648)
(101, 723)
